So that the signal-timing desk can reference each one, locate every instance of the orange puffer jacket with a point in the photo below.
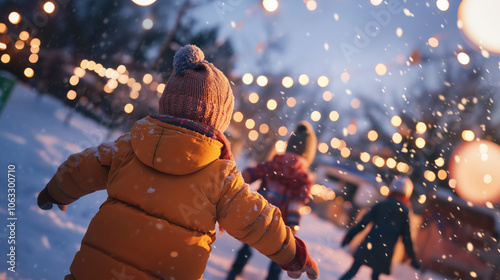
(167, 189)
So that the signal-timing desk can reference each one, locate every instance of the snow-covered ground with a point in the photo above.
(36, 138)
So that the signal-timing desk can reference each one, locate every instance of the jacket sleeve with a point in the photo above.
(367, 218)
(82, 173)
(407, 238)
(248, 217)
(252, 174)
(298, 199)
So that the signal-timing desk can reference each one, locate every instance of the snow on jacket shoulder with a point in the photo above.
(167, 188)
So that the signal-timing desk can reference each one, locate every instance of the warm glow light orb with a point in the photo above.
(477, 180)
(49, 7)
(143, 2)
(270, 5)
(480, 23)
(147, 24)
(14, 17)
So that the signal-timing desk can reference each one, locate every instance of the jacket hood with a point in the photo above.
(171, 149)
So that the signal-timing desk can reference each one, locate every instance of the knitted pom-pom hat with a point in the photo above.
(197, 90)
(303, 141)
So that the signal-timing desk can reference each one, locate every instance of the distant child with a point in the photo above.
(390, 220)
(169, 181)
(286, 183)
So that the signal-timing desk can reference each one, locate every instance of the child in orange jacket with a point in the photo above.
(286, 183)
(169, 181)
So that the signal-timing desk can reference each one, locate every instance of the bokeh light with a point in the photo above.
(49, 7)
(476, 180)
(380, 69)
(396, 121)
(463, 58)
(71, 95)
(287, 82)
(147, 79)
(335, 143)
(14, 17)
(323, 81)
(247, 78)
(480, 23)
(270, 5)
(237, 116)
(334, 116)
(147, 24)
(323, 148)
(264, 128)
(262, 81)
(365, 157)
(128, 108)
(468, 135)
(250, 123)
(253, 135)
(315, 116)
(303, 79)
(327, 95)
(24, 35)
(282, 131)
(397, 138)
(280, 146)
(291, 102)
(433, 42)
(384, 190)
(272, 104)
(420, 142)
(344, 77)
(143, 2)
(355, 103)
(443, 5)
(253, 97)
(421, 127)
(311, 5)
(372, 135)
(3, 27)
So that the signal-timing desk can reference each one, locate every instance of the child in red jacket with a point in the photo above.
(286, 183)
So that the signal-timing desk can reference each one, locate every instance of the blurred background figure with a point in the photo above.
(286, 183)
(390, 220)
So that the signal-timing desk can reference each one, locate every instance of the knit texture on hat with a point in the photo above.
(303, 141)
(197, 90)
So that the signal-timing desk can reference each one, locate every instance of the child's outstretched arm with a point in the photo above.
(79, 175)
(248, 217)
(367, 218)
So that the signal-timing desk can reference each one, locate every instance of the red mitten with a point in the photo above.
(301, 263)
(45, 201)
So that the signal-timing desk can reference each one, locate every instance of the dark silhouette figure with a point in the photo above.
(390, 220)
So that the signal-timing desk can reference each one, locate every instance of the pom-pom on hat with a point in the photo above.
(197, 90)
(303, 141)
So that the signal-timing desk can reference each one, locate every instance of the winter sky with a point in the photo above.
(341, 36)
